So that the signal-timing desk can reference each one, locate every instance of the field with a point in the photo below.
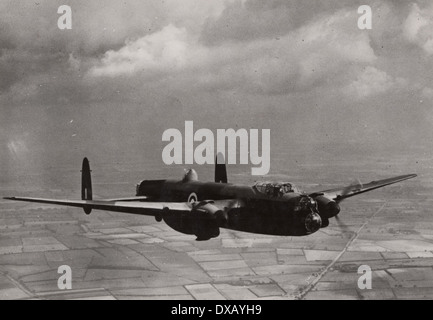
(120, 256)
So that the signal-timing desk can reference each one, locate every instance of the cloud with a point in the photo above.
(34, 52)
(418, 27)
(128, 69)
(166, 50)
(249, 46)
(319, 52)
(97, 25)
(371, 82)
(257, 19)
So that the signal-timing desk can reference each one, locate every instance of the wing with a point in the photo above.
(140, 205)
(340, 194)
(134, 207)
(125, 205)
(141, 198)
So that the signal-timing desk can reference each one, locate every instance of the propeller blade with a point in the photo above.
(348, 189)
(342, 225)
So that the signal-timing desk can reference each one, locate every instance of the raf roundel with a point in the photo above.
(192, 198)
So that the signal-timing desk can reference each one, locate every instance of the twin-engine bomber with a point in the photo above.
(202, 208)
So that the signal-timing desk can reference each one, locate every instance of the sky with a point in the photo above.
(128, 70)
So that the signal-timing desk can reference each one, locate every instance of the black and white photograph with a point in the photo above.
(226, 150)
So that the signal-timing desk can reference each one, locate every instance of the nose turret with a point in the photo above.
(313, 222)
(308, 207)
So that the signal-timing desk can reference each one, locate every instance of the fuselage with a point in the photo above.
(247, 208)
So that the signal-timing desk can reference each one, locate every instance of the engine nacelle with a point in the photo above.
(313, 222)
(203, 221)
(206, 220)
(327, 208)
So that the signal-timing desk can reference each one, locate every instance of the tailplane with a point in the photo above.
(220, 169)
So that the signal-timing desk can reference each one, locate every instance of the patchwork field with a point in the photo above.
(120, 256)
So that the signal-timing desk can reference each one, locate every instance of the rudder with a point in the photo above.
(86, 184)
(220, 169)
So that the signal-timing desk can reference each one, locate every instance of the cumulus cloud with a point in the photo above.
(31, 43)
(320, 50)
(253, 47)
(370, 82)
(140, 65)
(166, 50)
(418, 27)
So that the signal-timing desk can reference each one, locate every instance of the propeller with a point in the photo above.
(331, 207)
(232, 204)
(341, 224)
(341, 197)
(348, 189)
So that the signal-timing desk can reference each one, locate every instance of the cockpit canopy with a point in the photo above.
(275, 189)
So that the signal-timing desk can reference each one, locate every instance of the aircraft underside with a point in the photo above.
(258, 219)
